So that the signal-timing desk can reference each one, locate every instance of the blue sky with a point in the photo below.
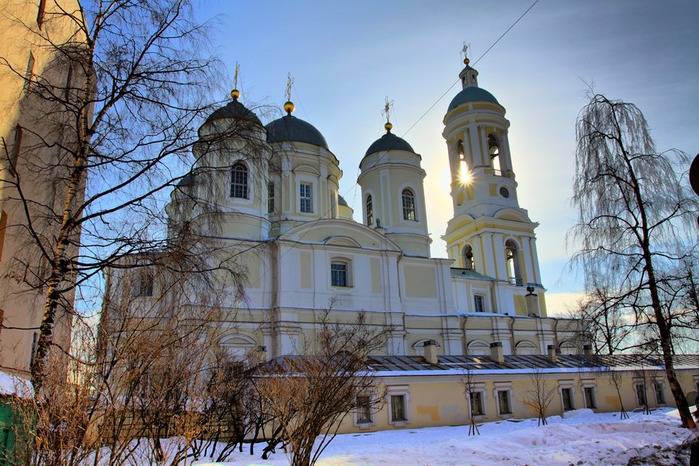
(347, 57)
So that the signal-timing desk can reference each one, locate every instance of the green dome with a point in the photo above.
(389, 141)
(235, 111)
(290, 128)
(472, 94)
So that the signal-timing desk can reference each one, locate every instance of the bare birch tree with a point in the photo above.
(138, 85)
(635, 218)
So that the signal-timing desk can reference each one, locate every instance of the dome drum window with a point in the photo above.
(239, 181)
(306, 198)
(409, 212)
(369, 210)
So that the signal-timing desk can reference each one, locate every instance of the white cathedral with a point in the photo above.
(273, 196)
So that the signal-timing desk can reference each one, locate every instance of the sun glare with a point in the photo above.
(465, 175)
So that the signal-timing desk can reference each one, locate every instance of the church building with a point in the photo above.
(306, 252)
(270, 197)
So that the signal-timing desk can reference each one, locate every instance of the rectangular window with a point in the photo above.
(270, 197)
(338, 274)
(144, 285)
(306, 197)
(35, 341)
(69, 83)
(476, 403)
(40, 13)
(660, 393)
(504, 402)
(590, 401)
(29, 74)
(641, 394)
(3, 226)
(398, 408)
(567, 396)
(16, 147)
(364, 415)
(478, 303)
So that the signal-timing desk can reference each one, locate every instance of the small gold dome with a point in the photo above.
(466, 61)
(388, 126)
(235, 93)
(288, 107)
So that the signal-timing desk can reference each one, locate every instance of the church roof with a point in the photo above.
(341, 201)
(389, 141)
(234, 110)
(290, 128)
(472, 94)
(449, 364)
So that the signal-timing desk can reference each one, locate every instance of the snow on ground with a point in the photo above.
(582, 438)
(15, 385)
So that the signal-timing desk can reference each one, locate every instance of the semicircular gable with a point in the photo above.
(306, 169)
(511, 214)
(460, 222)
(339, 232)
(342, 241)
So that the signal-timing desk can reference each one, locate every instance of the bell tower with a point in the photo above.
(489, 234)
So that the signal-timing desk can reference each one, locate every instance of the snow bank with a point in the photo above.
(15, 385)
(583, 438)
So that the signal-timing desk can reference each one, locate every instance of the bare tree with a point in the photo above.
(473, 397)
(540, 396)
(616, 380)
(635, 218)
(310, 395)
(641, 385)
(108, 139)
(605, 322)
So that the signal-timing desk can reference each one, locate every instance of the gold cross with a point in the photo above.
(289, 83)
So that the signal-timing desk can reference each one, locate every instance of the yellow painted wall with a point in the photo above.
(440, 401)
(420, 282)
(305, 276)
(375, 275)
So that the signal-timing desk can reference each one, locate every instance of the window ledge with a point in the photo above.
(399, 423)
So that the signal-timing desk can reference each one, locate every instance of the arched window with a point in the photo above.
(478, 348)
(239, 181)
(514, 274)
(494, 152)
(409, 205)
(3, 225)
(526, 348)
(467, 257)
(369, 210)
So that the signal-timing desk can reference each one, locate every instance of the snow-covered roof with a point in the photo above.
(446, 365)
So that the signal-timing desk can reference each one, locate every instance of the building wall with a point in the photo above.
(26, 55)
(438, 400)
